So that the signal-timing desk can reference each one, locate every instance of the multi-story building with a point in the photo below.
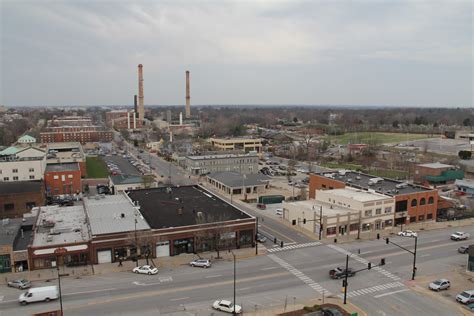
(62, 178)
(70, 121)
(342, 212)
(435, 174)
(413, 203)
(82, 134)
(15, 235)
(245, 144)
(123, 119)
(19, 197)
(67, 152)
(204, 164)
(22, 164)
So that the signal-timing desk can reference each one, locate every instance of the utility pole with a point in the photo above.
(233, 311)
(345, 279)
(256, 239)
(136, 240)
(414, 260)
(320, 222)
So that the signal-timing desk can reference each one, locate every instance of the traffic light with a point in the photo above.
(369, 266)
(304, 220)
(344, 284)
(387, 241)
(382, 261)
(293, 222)
(281, 244)
(378, 236)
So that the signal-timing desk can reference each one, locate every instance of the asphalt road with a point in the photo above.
(266, 281)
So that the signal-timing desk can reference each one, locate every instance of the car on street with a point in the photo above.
(465, 297)
(457, 236)
(261, 206)
(441, 284)
(19, 284)
(261, 238)
(227, 306)
(279, 212)
(145, 270)
(463, 249)
(39, 294)
(202, 263)
(408, 233)
(339, 273)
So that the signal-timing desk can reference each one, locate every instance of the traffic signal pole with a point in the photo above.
(412, 252)
(345, 279)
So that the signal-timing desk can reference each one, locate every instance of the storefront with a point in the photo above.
(185, 245)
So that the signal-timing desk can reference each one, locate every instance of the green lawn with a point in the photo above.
(375, 172)
(334, 165)
(376, 138)
(96, 168)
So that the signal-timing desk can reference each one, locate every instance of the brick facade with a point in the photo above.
(16, 204)
(63, 182)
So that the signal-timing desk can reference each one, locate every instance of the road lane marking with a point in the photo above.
(146, 284)
(425, 255)
(213, 276)
(269, 268)
(391, 293)
(86, 292)
(179, 298)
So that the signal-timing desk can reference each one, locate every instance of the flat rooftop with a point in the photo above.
(57, 225)
(358, 195)
(315, 206)
(20, 187)
(58, 167)
(8, 230)
(221, 156)
(183, 206)
(387, 186)
(113, 214)
(237, 180)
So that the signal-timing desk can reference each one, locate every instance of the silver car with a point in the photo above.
(441, 284)
(203, 263)
(20, 284)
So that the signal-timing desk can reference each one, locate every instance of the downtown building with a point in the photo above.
(81, 134)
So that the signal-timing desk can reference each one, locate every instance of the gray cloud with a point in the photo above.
(238, 52)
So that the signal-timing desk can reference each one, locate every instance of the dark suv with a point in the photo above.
(339, 273)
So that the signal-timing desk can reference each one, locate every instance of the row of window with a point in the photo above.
(15, 178)
(378, 211)
(63, 177)
(414, 202)
(11, 206)
(421, 218)
(16, 170)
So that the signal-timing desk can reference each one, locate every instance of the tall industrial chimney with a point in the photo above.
(141, 106)
(135, 104)
(188, 97)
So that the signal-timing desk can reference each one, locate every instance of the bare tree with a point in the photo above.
(217, 237)
(143, 242)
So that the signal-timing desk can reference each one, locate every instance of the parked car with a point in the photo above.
(457, 236)
(19, 284)
(261, 238)
(261, 206)
(226, 306)
(441, 284)
(339, 273)
(38, 294)
(103, 189)
(145, 270)
(202, 263)
(66, 202)
(408, 233)
(463, 249)
(465, 297)
(279, 212)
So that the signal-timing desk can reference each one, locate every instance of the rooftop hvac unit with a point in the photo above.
(49, 238)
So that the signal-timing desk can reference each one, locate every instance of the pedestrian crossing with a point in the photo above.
(364, 261)
(372, 289)
(300, 275)
(294, 246)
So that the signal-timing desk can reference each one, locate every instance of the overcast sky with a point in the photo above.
(416, 53)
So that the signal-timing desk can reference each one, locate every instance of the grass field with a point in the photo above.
(96, 168)
(375, 138)
(394, 174)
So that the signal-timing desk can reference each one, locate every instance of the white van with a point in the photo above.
(37, 294)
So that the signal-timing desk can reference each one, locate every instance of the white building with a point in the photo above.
(22, 164)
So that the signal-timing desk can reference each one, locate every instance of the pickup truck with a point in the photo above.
(459, 236)
(339, 273)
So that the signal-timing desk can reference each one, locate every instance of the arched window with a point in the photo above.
(422, 201)
(414, 202)
(430, 200)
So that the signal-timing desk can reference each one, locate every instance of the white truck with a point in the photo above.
(38, 294)
(460, 236)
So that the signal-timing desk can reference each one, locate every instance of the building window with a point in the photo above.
(6, 178)
(414, 202)
(388, 210)
(69, 176)
(15, 178)
(368, 213)
(412, 219)
(9, 207)
(421, 218)
(378, 211)
(55, 177)
(422, 201)
(388, 223)
(429, 216)
(15, 170)
(430, 200)
(32, 169)
(32, 177)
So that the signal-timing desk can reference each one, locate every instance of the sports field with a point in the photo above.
(376, 138)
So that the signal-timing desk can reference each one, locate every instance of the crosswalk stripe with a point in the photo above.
(294, 246)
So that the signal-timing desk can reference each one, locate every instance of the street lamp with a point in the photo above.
(58, 252)
(233, 310)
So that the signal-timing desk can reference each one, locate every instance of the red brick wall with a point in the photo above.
(58, 186)
(420, 209)
(19, 200)
(317, 182)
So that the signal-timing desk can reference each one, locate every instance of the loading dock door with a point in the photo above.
(104, 256)
(163, 249)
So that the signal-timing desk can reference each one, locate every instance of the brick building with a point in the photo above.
(62, 179)
(18, 198)
(68, 152)
(70, 121)
(123, 119)
(413, 203)
(82, 134)
(436, 174)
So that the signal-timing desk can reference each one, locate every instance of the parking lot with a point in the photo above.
(124, 166)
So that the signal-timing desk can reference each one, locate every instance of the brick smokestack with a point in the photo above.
(135, 104)
(141, 106)
(188, 97)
